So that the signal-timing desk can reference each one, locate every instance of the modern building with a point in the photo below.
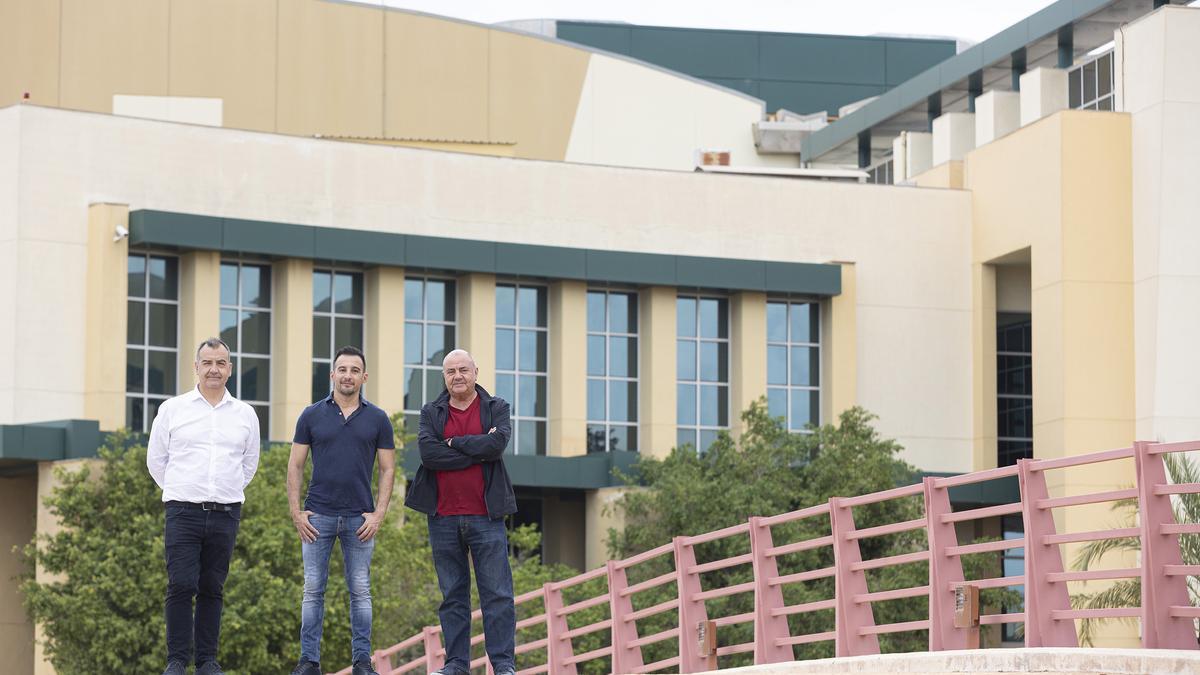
(1023, 289)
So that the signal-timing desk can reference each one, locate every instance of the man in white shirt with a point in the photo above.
(203, 451)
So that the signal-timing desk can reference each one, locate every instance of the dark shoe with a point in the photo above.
(307, 668)
(175, 668)
(363, 668)
(506, 671)
(209, 668)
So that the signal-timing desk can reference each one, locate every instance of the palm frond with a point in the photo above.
(1125, 593)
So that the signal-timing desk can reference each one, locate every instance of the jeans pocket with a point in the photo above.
(173, 511)
(236, 514)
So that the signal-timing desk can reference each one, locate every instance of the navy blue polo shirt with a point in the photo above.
(343, 455)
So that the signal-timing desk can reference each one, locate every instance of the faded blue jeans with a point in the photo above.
(485, 541)
(357, 557)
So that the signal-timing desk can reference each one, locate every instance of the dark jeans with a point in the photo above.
(199, 545)
(453, 539)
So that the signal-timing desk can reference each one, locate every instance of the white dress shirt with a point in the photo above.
(199, 452)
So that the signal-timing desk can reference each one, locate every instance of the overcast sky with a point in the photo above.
(970, 20)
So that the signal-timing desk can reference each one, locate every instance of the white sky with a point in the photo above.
(970, 20)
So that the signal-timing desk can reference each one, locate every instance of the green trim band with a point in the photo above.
(232, 235)
(581, 472)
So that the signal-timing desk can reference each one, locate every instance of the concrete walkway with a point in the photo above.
(1087, 661)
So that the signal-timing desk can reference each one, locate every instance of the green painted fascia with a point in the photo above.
(583, 472)
(987, 493)
(48, 441)
(230, 235)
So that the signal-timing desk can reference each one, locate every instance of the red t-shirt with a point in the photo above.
(460, 492)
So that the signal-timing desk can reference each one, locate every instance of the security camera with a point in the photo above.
(120, 233)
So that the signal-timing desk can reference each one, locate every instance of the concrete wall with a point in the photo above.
(921, 311)
(18, 522)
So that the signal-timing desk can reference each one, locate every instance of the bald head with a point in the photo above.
(457, 354)
(460, 373)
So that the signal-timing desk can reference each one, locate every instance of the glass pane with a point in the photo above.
(320, 380)
(804, 409)
(532, 395)
(321, 292)
(1104, 76)
(714, 362)
(1089, 81)
(622, 401)
(595, 312)
(595, 355)
(322, 349)
(347, 332)
(622, 313)
(685, 404)
(506, 348)
(595, 400)
(160, 373)
(622, 438)
(137, 283)
(776, 322)
(264, 421)
(685, 437)
(435, 383)
(439, 340)
(135, 371)
(533, 351)
(1014, 375)
(777, 402)
(685, 317)
(532, 438)
(412, 298)
(805, 368)
(1105, 103)
(256, 333)
(414, 395)
(777, 368)
(713, 406)
(347, 293)
(412, 423)
(256, 286)
(135, 328)
(506, 389)
(152, 406)
(596, 438)
(685, 360)
(622, 357)
(413, 346)
(229, 281)
(439, 300)
(163, 325)
(506, 305)
(228, 326)
(804, 322)
(713, 322)
(135, 414)
(255, 379)
(1075, 88)
(163, 278)
(531, 306)
(707, 438)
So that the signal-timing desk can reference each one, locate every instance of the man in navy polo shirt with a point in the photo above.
(345, 433)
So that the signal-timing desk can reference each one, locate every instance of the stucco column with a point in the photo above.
(839, 344)
(292, 344)
(107, 305)
(477, 323)
(199, 309)
(384, 334)
(656, 410)
(568, 368)
(18, 506)
(747, 354)
(983, 339)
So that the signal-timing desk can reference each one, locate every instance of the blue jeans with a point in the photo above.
(452, 539)
(199, 545)
(357, 557)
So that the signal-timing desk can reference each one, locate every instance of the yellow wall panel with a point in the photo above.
(535, 87)
(330, 69)
(226, 49)
(436, 78)
(113, 47)
(29, 56)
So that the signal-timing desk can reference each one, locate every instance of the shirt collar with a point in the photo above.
(362, 400)
(195, 395)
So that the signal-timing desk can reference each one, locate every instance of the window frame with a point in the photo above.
(516, 372)
(333, 315)
(412, 415)
(235, 350)
(789, 387)
(145, 347)
(607, 378)
(699, 427)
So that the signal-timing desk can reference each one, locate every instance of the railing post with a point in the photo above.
(1041, 559)
(433, 648)
(558, 648)
(691, 611)
(849, 616)
(944, 570)
(767, 626)
(383, 662)
(625, 658)
(1160, 630)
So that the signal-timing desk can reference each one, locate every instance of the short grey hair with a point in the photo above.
(213, 343)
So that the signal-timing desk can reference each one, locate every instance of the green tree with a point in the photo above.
(102, 608)
(1128, 592)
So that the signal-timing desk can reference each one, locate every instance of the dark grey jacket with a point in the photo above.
(484, 449)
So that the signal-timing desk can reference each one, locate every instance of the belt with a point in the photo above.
(206, 506)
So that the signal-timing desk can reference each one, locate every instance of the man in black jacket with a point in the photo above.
(464, 490)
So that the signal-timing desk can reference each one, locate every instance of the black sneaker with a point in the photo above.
(209, 668)
(362, 667)
(307, 668)
(175, 668)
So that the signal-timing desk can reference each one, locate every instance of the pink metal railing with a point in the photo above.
(1166, 614)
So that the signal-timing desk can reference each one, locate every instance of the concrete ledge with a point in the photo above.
(994, 661)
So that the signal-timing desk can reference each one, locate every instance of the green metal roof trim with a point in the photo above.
(582, 472)
(954, 69)
(47, 441)
(232, 235)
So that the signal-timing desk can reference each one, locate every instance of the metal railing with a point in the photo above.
(1166, 613)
